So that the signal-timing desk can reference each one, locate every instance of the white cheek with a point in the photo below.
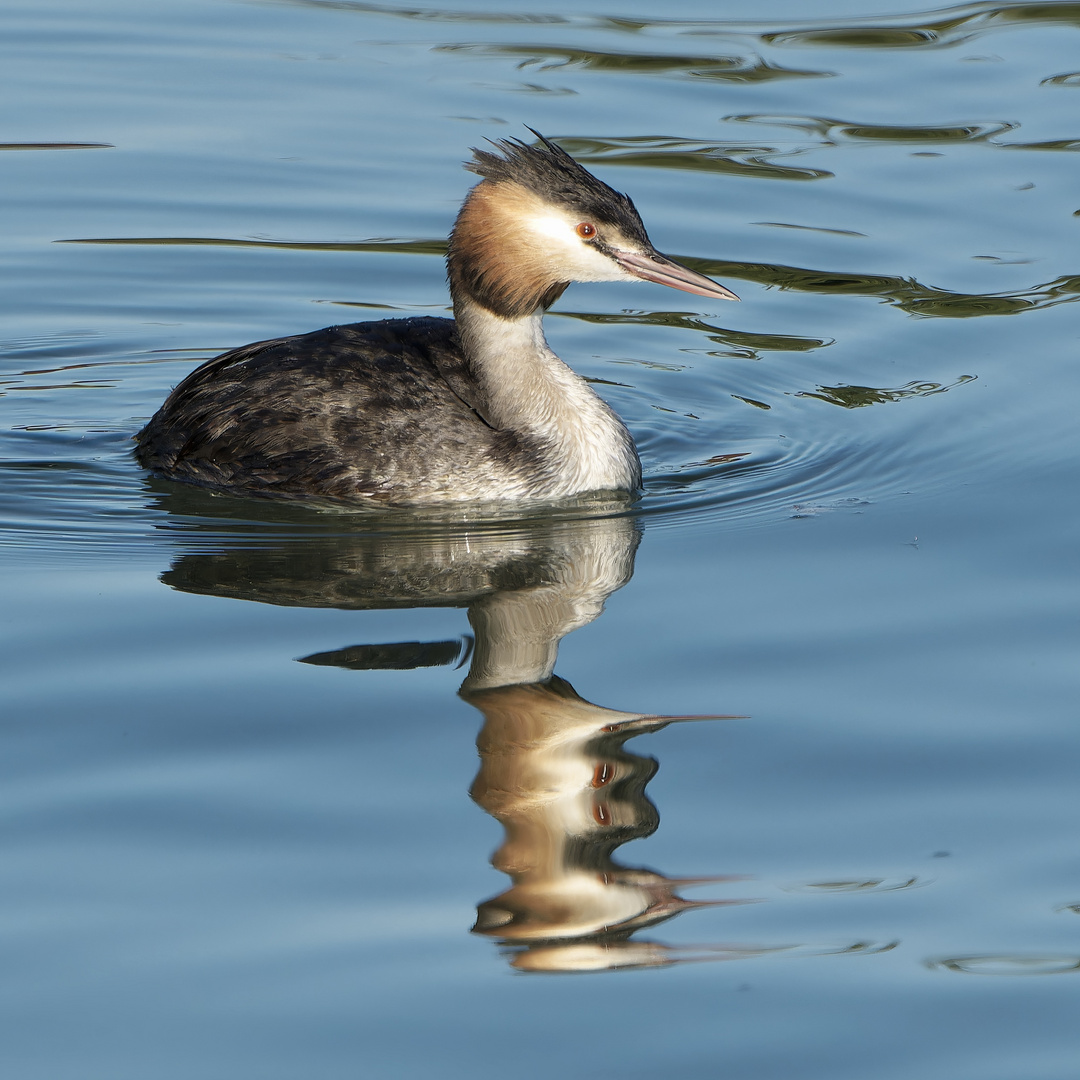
(555, 230)
(572, 257)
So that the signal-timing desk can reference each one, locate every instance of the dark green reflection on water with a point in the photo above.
(857, 397)
(1070, 146)
(739, 342)
(723, 68)
(664, 152)
(883, 37)
(905, 293)
(1067, 78)
(1007, 965)
(934, 29)
(400, 247)
(57, 146)
(829, 131)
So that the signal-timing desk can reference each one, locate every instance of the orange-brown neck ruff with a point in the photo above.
(493, 260)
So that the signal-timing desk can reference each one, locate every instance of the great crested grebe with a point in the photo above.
(428, 410)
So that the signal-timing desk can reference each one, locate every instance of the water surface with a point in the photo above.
(796, 795)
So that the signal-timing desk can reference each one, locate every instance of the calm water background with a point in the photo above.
(859, 531)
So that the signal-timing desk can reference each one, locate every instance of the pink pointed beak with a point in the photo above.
(665, 271)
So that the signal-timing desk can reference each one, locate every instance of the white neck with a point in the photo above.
(528, 389)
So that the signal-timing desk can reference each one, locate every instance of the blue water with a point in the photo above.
(238, 740)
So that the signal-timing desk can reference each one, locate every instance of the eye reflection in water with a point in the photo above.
(554, 770)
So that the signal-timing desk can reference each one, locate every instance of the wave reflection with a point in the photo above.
(936, 28)
(1006, 965)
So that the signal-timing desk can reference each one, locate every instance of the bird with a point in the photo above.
(436, 411)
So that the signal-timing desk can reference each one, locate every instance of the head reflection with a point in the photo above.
(555, 774)
(554, 770)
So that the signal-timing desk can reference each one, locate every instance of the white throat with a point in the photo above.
(530, 390)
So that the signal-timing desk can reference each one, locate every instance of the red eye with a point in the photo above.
(586, 230)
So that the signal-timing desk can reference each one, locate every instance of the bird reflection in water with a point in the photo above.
(554, 770)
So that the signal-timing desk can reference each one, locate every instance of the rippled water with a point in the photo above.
(238, 738)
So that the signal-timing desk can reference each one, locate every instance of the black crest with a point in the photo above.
(552, 173)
